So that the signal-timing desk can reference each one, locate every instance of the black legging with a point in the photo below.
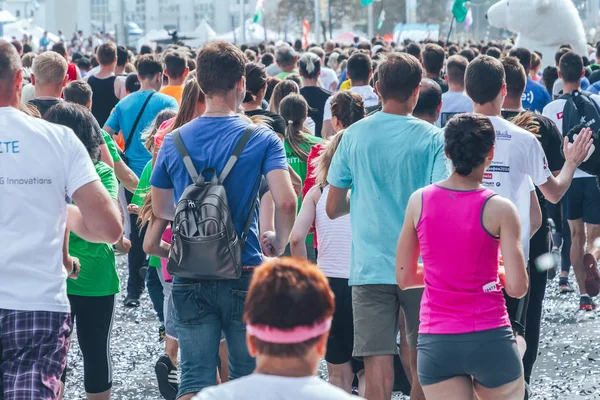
(540, 244)
(136, 257)
(93, 317)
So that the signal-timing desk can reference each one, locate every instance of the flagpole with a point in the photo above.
(370, 16)
(317, 21)
(242, 21)
(450, 31)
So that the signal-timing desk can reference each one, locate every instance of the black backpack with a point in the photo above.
(580, 112)
(205, 244)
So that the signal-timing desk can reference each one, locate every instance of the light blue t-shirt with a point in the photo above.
(124, 116)
(210, 142)
(385, 158)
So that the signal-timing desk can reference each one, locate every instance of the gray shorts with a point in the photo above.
(375, 310)
(491, 357)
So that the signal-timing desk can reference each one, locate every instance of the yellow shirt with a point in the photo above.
(346, 85)
(173, 91)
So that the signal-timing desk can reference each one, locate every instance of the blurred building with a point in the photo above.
(92, 16)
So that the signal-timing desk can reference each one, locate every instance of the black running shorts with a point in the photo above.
(491, 357)
(583, 201)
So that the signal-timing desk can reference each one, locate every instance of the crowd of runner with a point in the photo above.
(282, 205)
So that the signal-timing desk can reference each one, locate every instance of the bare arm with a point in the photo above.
(338, 202)
(267, 214)
(408, 272)
(304, 222)
(535, 214)
(96, 218)
(126, 176)
(153, 243)
(105, 155)
(517, 280)
(286, 202)
(296, 181)
(109, 130)
(163, 204)
(555, 188)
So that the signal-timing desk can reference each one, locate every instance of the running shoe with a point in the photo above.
(166, 374)
(564, 286)
(131, 302)
(162, 334)
(592, 277)
(586, 304)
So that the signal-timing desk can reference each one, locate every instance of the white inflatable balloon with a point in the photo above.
(541, 25)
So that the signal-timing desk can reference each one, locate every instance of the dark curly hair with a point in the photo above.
(468, 140)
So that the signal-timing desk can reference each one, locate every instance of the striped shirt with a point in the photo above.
(335, 241)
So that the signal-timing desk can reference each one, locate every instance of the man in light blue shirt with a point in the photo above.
(123, 118)
(127, 110)
(384, 159)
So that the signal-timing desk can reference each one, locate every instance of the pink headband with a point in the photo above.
(298, 334)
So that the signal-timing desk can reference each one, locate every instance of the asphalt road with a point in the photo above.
(567, 367)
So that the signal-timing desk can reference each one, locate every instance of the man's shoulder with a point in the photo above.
(554, 109)
(160, 97)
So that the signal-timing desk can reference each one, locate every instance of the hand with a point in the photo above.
(133, 209)
(123, 245)
(73, 266)
(581, 149)
(270, 245)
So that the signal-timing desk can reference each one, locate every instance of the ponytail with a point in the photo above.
(295, 136)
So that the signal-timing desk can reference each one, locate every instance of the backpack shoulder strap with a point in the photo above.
(237, 152)
(136, 123)
(185, 156)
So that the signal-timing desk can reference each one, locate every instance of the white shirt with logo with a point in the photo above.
(519, 159)
(366, 92)
(41, 164)
(554, 111)
(454, 103)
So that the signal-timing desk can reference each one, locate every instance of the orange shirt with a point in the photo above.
(173, 91)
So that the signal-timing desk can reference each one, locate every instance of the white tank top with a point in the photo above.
(335, 241)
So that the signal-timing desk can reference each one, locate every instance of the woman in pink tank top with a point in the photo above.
(466, 345)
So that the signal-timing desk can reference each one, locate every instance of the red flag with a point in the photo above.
(305, 29)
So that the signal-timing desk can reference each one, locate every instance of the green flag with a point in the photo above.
(259, 11)
(381, 20)
(459, 10)
(365, 3)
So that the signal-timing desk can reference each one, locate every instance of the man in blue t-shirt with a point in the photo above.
(535, 97)
(123, 119)
(210, 140)
(384, 159)
(150, 74)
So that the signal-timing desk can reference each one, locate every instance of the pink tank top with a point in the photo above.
(460, 258)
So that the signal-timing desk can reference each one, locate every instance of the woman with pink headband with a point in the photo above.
(289, 308)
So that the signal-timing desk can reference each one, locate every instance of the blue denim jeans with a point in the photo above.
(201, 311)
(155, 291)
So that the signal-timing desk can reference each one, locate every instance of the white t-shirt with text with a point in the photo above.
(519, 159)
(41, 164)
(366, 92)
(271, 387)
